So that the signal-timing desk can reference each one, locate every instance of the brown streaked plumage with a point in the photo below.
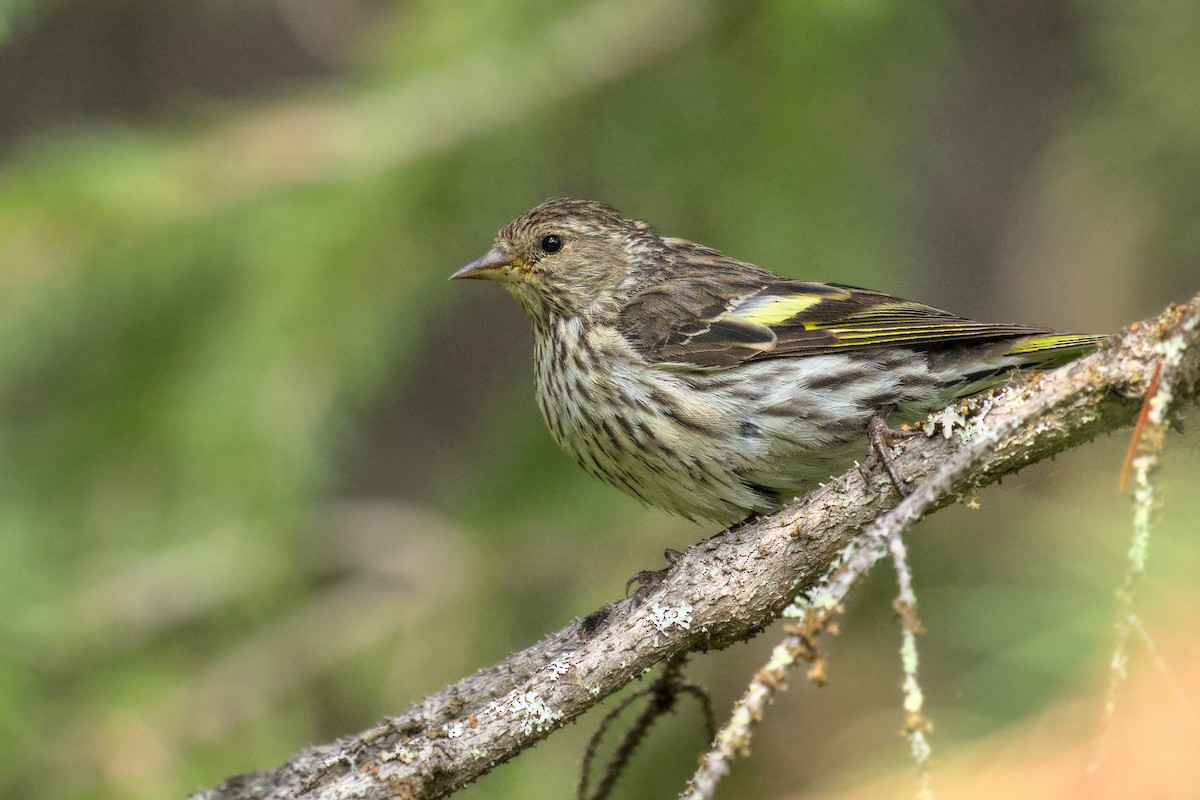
(713, 388)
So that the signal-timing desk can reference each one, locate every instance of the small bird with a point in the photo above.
(714, 389)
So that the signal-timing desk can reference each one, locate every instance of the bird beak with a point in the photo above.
(494, 265)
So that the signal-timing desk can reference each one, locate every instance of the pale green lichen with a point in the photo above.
(557, 667)
(782, 657)
(797, 608)
(914, 698)
(908, 655)
(921, 754)
(400, 753)
(965, 418)
(532, 711)
(946, 420)
(663, 618)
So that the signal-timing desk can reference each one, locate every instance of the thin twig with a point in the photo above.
(662, 694)
(1151, 430)
(589, 753)
(1186, 707)
(916, 724)
(733, 739)
(705, 700)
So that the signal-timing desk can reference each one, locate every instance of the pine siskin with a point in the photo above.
(713, 388)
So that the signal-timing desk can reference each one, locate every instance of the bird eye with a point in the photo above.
(552, 243)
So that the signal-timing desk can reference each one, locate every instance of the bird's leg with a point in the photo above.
(650, 579)
(881, 439)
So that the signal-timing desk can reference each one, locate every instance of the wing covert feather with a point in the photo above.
(704, 321)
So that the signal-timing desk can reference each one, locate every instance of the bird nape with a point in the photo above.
(715, 389)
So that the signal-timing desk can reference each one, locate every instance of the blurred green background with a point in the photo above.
(266, 477)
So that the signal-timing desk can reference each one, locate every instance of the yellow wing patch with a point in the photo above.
(777, 309)
(1057, 341)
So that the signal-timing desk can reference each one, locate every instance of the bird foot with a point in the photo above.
(881, 439)
(649, 580)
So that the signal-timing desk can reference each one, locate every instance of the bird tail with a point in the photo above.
(1034, 351)
(1043, 351)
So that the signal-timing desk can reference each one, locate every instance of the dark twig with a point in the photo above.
(589, 753)
(662, 694)
(706, 707)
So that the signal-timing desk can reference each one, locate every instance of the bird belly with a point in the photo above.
(722, 444)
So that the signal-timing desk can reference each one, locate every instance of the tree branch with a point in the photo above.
(729, 587)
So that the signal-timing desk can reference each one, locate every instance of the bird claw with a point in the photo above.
(881, 439)
(651, 579)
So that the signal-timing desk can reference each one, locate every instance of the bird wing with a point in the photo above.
(722, 320)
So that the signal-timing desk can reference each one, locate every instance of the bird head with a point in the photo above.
(568, 257)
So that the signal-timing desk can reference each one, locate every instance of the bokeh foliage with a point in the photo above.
(265, 477)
